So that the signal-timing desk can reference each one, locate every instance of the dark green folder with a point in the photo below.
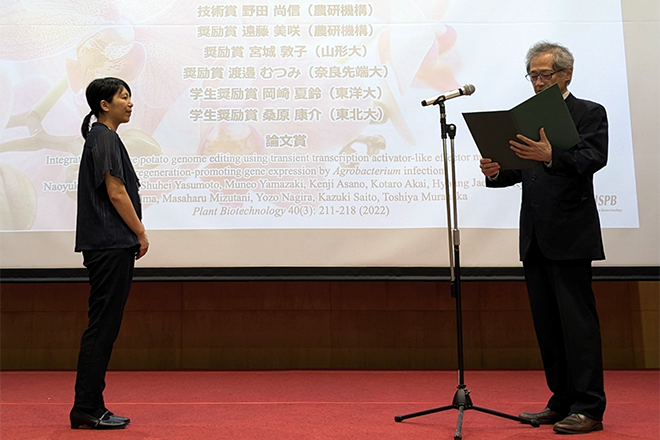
(493, 130)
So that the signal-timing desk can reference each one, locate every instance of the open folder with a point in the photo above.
(493, 130)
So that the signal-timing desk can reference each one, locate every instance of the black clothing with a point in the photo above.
(558, 204)
(109, 248)
(559, 238)
(568, 332)
(99, 225)
(110, 277)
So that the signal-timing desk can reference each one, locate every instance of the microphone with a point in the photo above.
(467, 89)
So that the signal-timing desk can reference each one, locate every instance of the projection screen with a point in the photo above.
(290, 134)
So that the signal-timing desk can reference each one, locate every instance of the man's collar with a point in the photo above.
(565, 95)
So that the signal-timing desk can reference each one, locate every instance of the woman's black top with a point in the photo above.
(99, 225)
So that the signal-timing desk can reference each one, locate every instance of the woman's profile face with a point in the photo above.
(118, 111)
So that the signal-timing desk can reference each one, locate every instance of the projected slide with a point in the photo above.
(291, 115)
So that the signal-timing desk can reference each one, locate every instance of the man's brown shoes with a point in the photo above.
(577, 424)
(545, 417)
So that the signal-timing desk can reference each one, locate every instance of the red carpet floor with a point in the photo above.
(313, 405)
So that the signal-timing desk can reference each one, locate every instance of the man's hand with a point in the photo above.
(488, 167)
(535, 150)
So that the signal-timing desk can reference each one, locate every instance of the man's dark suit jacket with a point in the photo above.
(558, 204)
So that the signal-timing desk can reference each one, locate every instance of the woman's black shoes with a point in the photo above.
(120, 418)
(106, 421)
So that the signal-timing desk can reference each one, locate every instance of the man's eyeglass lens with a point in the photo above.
(545, 76)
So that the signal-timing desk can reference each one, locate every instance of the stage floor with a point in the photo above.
(313, 405)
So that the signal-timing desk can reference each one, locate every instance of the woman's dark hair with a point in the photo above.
(101, 89)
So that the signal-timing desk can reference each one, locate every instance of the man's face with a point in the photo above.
(542, 64)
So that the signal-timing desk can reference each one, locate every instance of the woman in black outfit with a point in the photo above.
(111, 236)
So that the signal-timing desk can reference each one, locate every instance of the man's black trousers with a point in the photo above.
(568, 331)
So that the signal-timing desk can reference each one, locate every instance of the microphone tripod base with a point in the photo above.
(462, 402)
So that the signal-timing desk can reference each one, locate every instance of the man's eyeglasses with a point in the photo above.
(545, 76)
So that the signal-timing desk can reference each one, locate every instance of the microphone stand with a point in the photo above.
(462, 400)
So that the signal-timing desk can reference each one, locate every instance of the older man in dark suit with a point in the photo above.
(559, 238)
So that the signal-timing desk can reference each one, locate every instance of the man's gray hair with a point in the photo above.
(562, 57)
